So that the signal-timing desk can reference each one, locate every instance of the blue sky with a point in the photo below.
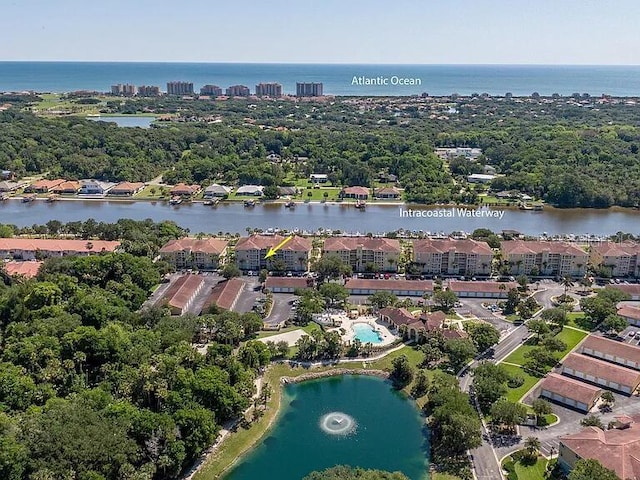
(602, 32)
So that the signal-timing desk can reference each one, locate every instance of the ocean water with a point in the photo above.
(338, 79)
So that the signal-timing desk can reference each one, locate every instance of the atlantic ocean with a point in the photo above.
(439, 80)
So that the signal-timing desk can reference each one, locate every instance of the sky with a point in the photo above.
(583, 32)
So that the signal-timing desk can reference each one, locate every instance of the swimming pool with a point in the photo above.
(365, 333)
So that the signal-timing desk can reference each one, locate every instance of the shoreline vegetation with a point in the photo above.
(283, 202)
(223, 456)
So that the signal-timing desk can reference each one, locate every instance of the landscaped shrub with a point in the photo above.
(515, 381)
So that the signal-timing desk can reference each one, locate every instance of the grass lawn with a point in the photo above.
(317, 194)
(515, 394)
(578, 320)
(568, 335)
(152, 192)
(531, 472)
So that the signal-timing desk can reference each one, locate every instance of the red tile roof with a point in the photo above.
(611, 347)
(629, 289)
(184, 189)
(467, 246)
(286, 282)
(224, 294)
(68, 186)
(265, 242)
(538, 246)
(376, 244)
(182, 290)
(25, 269)
(602, 369)
(355, 191)
(204, 245)
(611, 249)
(57, 245)
(628, 311)
(128, 187)
(46, 184)
(487, 287)
(617, 449)
(364, 284)
(570, 388)
(399, 316)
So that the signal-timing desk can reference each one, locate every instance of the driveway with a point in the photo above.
(248, 296)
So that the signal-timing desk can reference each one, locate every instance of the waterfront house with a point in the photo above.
(70, 187)
(94, 187)
(224, 295)
(43, 186)
(569, 392)
(184, 190)
(359, 193)
(7, 186)
(252, 190)
(365, 254)
(544, 258)
(452, 257)
(216, 191)
(287, 191)
(319, 178)
(36, 248)
(251, 252)
(390, 193)
(181, 293)
(617, 448)
(201, 254)
(623, 259)
(126, 189)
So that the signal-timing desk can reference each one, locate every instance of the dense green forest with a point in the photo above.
(568, 151)
(92, 388)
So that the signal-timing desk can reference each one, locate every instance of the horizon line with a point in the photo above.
(207, 62)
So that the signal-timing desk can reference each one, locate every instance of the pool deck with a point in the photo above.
(348, 323)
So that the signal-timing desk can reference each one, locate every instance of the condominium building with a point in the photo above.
(211, 90)
(623, 259)
(180, 88)
(269, 90)
(452, 257)
(544, 258)
(238, 91)
(251, 252)
(308, 89)
(365, 254)
(202, 254)
(36, 248)
(148, 91)
(125, 90)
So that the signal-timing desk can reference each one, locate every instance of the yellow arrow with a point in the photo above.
(272, 251)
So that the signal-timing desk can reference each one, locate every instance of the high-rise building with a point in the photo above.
(269, 90)
(212, 90)
(180, 88)
(238, 91)
(308, 89)
(148, 91)
(126, 90)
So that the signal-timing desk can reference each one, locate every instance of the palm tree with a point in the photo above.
(608, 397)
(532, 446)
(567, 282)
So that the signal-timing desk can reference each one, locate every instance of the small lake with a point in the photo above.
(347, 420)
(126, 120)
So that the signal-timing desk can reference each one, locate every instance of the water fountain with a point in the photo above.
(337, 423)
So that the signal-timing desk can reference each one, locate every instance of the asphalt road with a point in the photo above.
(281, 310)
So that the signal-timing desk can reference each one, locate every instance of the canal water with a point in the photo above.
(235, 218)
(349, 420)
